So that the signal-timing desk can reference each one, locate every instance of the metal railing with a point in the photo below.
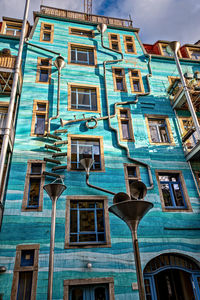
(84, 17)
(7, 62)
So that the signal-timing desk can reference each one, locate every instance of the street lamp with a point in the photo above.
(131, 210)
(173, 48)
(54, 190)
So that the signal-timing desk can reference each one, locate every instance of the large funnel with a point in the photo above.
(59, 62)
(175, 46)
(102, 27)
(54, 190)
(87, 164)
(138, 190)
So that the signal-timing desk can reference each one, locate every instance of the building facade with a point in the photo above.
(120, 103)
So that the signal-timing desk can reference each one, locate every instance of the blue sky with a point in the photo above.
(157, 19)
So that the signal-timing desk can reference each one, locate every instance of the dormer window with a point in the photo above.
(13, 29)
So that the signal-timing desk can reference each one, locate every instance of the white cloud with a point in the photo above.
(157, 19)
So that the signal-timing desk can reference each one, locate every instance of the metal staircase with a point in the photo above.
(55, 152)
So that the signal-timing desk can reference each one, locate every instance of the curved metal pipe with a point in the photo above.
(58, 102)
(42, 48)
(108, 112)
(96, 187)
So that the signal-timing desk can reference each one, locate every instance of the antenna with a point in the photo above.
(88, 7)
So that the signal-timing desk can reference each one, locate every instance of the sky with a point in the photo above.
(157, 19)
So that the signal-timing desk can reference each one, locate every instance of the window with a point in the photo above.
(187, 126)
(132, 174)
(33, 191)
(43, 70)
(119, 79)
(82, 54)
(194, 53)
(92, 288)
(80, 147)
(159, 130)
(165, 52)
(136, 81)
(13, 29)
(114, 41)
(125, 124)
(46, 32)
(87, 221)
(39, 118)
(25, 272)
(172, 190)
(83, 97)
(129, 44)
(81, 32)
(3, 114)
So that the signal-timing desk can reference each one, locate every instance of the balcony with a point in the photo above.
(79, 16)
(7, 67)
(178, 99)
(190, 139)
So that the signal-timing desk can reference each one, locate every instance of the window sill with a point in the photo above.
(163, 144)
(82, 170)
(31, 209)
(68, 246)
(85, 110)
(177, 209)
(82, 65)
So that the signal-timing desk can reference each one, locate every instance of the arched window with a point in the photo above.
(172, 277)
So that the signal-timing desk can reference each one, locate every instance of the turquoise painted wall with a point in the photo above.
(34, 227)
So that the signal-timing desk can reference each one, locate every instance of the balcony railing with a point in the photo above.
(84, 17)
(7, 62)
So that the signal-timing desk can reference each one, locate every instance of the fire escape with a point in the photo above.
(190, 138)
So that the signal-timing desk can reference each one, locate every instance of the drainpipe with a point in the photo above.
(9, 119)
(59, 64)
(102, 28)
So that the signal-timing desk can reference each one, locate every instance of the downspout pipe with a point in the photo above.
(195, 181)
(8, 128)
(59, 64)
(108, 111)
(96, 187)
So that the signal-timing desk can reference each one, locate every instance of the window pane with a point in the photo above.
(166, 195)
(87, 238)
(177, 195)
(24, 286)
(46, 36)
(27, 258)
(100, 221)
(47, 27)
(73, 221)
(163, 135)
(100, 293)
(131, 171)
(36, 168)
(119, 83)
(44, 75)
(130, 48)
(113, 36)
(44, 62)
(115, 46)
(40, 124)
(118, 72)
(87, 221)
(125, 130)
(77, 294)
(123, 114)
(154, 134)
(91, 58)
(82, 56)
(84, 100)
(41, 107)
(34, 192)
(136, 86)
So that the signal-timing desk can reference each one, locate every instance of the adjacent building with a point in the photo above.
(119, 102)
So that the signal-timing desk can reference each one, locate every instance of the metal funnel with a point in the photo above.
(138, 189)
(102, 27)
(54, 190)
(175, 45)
(120, 197)
(87, 164)
(59, 62)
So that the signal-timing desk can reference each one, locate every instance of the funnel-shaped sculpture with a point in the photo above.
(131, 212)
(121, 197)
(54, 190)
(138, 190)
(102, 27)
(87, 164)
(59, 62)
(175, 45)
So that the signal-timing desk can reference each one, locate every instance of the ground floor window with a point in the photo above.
(89, 289)
(172, 277)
